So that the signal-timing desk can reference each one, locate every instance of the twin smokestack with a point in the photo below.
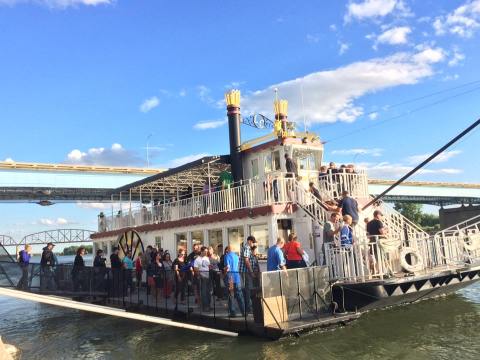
(232, 98)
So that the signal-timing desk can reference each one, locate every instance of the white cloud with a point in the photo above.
(9, 160)
(373, 116)
(450, 77)
(463, 21)
(394, 36)
(54, 222)
(330, 95)
(343, 48)
(93, 205)
(184, 160)
(386, 170)
(443, 157)
(333, 27)
(182, 93)
(203, 93)
(62, 4)
(456, 58)
(375, 9)
(116, 155)
(313, 38)
(149, 104)
(359, 151)
(204, 125)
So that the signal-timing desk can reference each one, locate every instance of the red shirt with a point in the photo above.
(291, 250)
(138, 264)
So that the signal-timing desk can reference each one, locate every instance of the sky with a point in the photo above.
(383, 82)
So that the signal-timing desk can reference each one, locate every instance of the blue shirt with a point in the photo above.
(346, 236)
(128, 262)
(231, 260)
(24, 257)
(349, 207)
(275, 258)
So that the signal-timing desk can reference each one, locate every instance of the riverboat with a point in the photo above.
(220, 200)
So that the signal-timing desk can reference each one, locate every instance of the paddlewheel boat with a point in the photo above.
(223, 199)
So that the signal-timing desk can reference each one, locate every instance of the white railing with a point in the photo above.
(382, 258)
(334, 184)
(310, 204)
(460, 242)
(400, 225)
(252, 194)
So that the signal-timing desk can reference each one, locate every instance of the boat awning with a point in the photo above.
(189, 177)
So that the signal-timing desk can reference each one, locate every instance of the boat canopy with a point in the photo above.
(175, 182)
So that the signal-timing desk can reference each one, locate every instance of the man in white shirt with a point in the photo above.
(202, 270)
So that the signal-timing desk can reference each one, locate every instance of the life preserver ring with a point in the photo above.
(417, 265)
(471, 242)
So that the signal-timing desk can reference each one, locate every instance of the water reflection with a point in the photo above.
(443, 328)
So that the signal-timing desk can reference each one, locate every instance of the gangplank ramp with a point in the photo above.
(104, 310)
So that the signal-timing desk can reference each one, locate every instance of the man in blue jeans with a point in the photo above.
(232, 279)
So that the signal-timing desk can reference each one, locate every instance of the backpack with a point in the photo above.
(20, 257)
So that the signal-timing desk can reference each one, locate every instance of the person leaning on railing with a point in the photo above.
(24, 263)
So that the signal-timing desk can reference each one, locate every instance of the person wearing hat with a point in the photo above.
(46, 268)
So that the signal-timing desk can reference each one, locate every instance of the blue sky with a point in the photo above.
(88, 81)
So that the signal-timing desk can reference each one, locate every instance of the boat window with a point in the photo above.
(255, 168)
(197, 237)
(181, 241)
(268, 163)
(235, 238)
(260, 232)
(215, 238)
(306, 159)
(276, 160)
(158, 241)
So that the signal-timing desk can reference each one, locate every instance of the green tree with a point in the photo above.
(411, 211)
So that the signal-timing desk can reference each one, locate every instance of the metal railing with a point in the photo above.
(334, 184)
(211, 296)
(310, 204)
(381, 257)
(400, 225)
(252, 194)
(460, 242)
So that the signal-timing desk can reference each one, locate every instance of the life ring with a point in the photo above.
(417, 265)
(471, 243)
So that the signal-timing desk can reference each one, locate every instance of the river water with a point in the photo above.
(442, 328)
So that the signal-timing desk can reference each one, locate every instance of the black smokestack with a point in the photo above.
(233, 113)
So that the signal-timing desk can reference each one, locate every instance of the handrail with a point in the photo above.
(251, 194)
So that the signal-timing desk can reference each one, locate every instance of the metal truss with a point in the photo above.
(58, 236)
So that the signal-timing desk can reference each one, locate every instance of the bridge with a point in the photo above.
(37, 182)
(57, 236)
(48, 183)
